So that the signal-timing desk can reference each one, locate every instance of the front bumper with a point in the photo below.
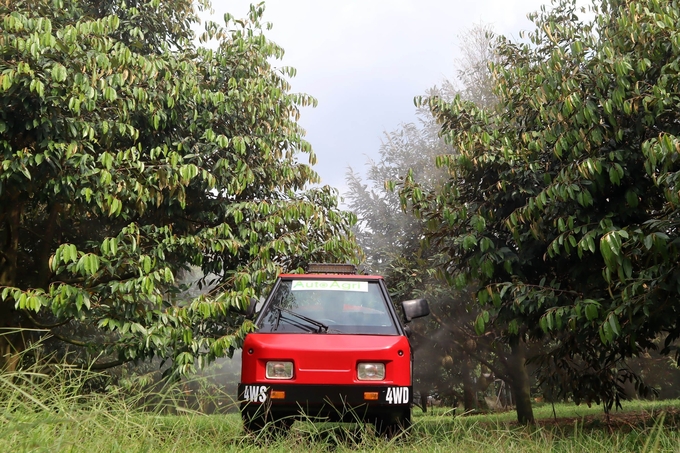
(332, 402)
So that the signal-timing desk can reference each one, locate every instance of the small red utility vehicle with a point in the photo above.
(329, 345)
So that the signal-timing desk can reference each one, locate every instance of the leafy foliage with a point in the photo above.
(129, 154)
(563, 200)
(450, 356)
(389, 236)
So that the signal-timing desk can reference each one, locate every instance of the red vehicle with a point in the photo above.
(329, 344)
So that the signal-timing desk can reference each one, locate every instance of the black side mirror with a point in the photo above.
(250, 311)
(415, 309)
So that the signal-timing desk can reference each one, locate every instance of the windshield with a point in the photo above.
(328, 306)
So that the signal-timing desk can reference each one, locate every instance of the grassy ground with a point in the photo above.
(53, 414)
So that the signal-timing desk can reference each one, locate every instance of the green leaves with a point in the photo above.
(590, 308)
(58, 72)
(481, 321)
(575, 174)
(24, 300)
(610, 247)
(129, 163)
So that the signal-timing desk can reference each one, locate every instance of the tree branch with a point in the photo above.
(107, 365)
(37, 323)
(502, 374)
(93, 366)
(79, 343)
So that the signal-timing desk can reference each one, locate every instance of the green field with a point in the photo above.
(113, 429)
(55, 414)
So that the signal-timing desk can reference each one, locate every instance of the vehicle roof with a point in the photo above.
(331, 276)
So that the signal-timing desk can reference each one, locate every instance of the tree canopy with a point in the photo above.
(131, 153)
(563, 198)
(451, 358)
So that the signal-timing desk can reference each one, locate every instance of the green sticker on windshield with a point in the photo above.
(329, 285)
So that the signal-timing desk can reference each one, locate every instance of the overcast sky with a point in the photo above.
(365, 61)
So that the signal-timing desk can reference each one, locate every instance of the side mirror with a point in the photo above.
(250, 311)
(415, 309)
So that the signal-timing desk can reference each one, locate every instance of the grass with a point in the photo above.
(53, 413)
(544, 412)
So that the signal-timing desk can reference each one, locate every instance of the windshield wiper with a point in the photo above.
(320, 327)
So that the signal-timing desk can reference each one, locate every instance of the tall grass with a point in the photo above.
(53, 408)
(55, 411)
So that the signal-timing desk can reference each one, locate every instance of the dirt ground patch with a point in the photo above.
(618, 421)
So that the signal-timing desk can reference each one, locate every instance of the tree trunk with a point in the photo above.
(8, 361)
(9, 254)
(469, 393)
(9, 251)
(520, 384)
(43, 260)
(423, 401)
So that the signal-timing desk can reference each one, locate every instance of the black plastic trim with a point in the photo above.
(335, 402)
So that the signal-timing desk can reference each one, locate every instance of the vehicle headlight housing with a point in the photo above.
(279, 370)
(371, 371)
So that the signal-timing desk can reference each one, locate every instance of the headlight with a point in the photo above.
(371, 371)
(279, 370)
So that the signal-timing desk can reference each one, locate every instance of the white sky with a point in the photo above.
(365, 61)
